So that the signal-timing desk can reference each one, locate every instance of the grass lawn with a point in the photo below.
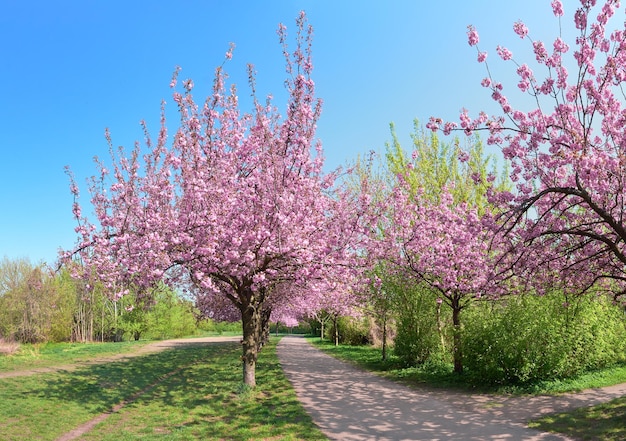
(203, 399)
(31, 356)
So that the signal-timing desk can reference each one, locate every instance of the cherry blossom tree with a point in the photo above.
(567, 153)
(446, 245)
(238, 206)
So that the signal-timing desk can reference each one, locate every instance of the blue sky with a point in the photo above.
(70, 69)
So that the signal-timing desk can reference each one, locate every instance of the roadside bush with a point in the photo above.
(210, 325)
(523, 339)
(170, 316)
(353, 331)
(417, 332)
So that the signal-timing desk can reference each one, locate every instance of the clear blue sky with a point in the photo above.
(69, 69)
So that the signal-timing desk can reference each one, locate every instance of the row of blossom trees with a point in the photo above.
(237, 206)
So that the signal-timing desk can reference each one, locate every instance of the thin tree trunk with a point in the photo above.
(440, 327)
(456, 323)
(384, 320)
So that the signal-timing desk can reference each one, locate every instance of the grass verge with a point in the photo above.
(204, 400)
(604, 422)
(31, 356)
(441, 375)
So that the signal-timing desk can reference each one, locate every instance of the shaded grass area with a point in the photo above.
(30, 356)
(203, 400)
(604, 422)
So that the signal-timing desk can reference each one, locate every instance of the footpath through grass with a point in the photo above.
(605, 422)
(32, 356)
(204, 399)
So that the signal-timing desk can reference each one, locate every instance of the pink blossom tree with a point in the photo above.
(567, 153)
(238, 206)
(444, 244)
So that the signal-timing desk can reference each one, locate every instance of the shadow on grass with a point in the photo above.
(100, 387)
(191, 392)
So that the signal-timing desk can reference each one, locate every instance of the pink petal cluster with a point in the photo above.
(567, 156)
(236, 207)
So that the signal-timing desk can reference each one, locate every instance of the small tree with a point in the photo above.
(439, 225)
(445, 245)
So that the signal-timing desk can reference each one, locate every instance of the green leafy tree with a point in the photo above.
(434, 165)
(170, 316)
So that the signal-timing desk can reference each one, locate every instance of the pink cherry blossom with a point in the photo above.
(504, 53)
(472, 36)
(520, 29)
(557, 8)
(566, 150)
(235, 208)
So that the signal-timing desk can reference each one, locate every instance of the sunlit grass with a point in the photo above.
(203, 400)
(605, 422)
(30, 356)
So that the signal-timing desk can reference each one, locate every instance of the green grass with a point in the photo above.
(31, 356)
(605, 422)
(203, 400)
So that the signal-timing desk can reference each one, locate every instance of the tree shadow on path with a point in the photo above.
(350, 404)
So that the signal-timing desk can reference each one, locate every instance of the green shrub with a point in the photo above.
(524, 339)
(211, 326)
(353, 331)
(417, 337)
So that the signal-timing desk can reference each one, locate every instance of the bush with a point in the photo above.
(8, 347)
(417, 337)
(211, 326)
(170, 317)
(528, 338)
(352, 331)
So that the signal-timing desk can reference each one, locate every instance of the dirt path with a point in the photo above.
(149, 348)
(350, 404)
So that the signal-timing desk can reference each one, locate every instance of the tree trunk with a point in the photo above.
(336, 329)
(255, 320)
(456, 323)
(250, 344)
(264, 327)
(384, 337)
(440, 327)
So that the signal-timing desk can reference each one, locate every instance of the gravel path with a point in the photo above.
(350, 404)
